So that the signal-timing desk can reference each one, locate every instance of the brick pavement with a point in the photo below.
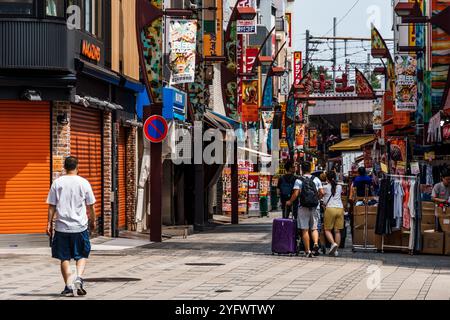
(229, 262)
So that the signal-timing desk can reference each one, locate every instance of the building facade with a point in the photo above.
(69, 76)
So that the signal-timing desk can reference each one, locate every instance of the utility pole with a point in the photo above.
(306, 68)
(334, 51)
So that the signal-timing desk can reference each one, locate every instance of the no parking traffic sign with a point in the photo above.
(155, 129)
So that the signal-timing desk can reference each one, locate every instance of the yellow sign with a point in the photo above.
(345, 130)
(384, 168)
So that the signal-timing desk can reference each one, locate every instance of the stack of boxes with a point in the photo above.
(434, 241)
(359, 216)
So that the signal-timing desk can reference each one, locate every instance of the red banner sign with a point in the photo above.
(297, 67)
(250, 58)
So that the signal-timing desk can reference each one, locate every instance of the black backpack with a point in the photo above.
(309, 196)
(286, 186)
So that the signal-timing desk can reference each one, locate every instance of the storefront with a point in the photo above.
(59, 97)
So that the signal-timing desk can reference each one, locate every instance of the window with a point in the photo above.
(93, 19)
(54, 8)
(16, 7)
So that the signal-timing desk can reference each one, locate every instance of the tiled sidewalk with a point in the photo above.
(229, 262)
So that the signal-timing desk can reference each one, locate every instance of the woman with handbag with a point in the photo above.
(334, 212)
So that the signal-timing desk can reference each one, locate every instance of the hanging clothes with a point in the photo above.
(430, 179)
(385, 212)
(418, 218)
(434, 129)
(412, 213)
(406, 211)
(398, 204)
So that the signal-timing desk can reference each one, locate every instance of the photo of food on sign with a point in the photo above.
(250, 92)
(407, 93)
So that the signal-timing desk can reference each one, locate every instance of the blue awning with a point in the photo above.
(142, 99)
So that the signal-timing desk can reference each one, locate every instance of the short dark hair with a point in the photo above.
(362, 171)
(306, 167)
(288, 165)
(71, 163)
(445, 173)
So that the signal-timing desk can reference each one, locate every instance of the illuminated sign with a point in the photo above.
(90, 51)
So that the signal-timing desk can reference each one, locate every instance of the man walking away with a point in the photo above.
(67, 200)
(309, 190)
(286, 187)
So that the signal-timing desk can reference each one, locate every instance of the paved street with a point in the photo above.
(225, 262)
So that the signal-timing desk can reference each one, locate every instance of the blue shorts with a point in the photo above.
(68, 246)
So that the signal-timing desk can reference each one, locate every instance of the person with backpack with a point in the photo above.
(334, 213)
(286, 187)
(309, 190)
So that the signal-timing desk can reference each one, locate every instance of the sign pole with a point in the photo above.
(155, 184)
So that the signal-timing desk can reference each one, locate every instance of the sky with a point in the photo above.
(317, 16)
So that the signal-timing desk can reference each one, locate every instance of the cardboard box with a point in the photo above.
(393, 239)
(361, 210)
(428, 219)
(444, 222)
(433, 242)
(359, 220)
(358, 237)
(428, 206)
(425, 227)
(447, 244)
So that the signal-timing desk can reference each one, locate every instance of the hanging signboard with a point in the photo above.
(253, 191)
(300, 136)
(247, 26)
(226, 198)
(242, 189)
(182, 39)
(406, 85)
(379, 48)
(249, 101)
(345, 130)
(241, 66)
(264, 185)
(250, 58)
(297, 67)
(377, 119)
(289, 26)
(313, 138)
(212, 39)
(284, 84)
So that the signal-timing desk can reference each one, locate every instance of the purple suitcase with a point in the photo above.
(284, 236)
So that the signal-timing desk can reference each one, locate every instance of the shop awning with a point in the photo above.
(355, 143)
(233, 123)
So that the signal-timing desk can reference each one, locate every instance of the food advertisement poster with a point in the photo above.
(226, 198)
(406, 85)
(182, 44)
(253, 191)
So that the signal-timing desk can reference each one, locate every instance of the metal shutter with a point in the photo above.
(122, 177)
(86, 144)
(24, 166)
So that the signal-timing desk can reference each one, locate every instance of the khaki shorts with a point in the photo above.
(334, 219)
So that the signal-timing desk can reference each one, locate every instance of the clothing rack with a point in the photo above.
(365, 246)
(411, 252)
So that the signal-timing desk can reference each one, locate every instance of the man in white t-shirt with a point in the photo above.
(310, 190)
(68, 200)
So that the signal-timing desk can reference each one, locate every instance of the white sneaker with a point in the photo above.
(333, 249)
(336, 254)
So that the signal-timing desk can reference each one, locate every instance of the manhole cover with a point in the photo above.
(112, 280)
(223, 291)
(205, 264)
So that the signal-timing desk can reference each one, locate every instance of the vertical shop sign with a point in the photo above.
(247, 26)
(226, 198)
(297, 67)
(345, 130)
(289, 26)
(406, 85)
(300, 136)
(249, 101)
(313, 138)
(253, 191)
(182, 39)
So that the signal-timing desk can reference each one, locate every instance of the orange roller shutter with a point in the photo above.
(122, 178)
(24, 166)
(86, 144)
